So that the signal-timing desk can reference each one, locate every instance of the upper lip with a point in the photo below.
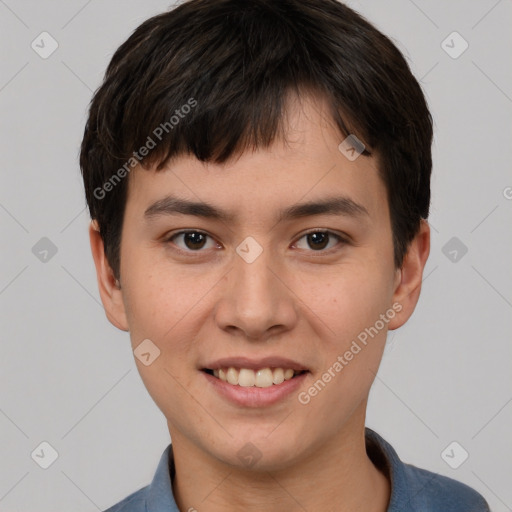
(255, 364)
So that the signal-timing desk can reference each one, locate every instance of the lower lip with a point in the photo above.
(254, 396)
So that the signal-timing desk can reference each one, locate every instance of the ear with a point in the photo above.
(410, 275)
(109, 287)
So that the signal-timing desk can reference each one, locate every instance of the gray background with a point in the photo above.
(68, 377)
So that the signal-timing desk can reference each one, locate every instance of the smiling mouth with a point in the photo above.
(246, 377)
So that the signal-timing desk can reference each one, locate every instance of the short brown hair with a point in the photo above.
(237, 61)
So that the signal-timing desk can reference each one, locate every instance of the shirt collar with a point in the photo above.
(160, 496)
(385, 458)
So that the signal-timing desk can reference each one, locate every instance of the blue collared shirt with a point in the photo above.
(412, 489)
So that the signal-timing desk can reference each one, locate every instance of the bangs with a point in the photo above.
(246, 75)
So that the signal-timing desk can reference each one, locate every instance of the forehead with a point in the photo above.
(303, 164)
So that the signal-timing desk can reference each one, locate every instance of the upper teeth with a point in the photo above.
(246, 377)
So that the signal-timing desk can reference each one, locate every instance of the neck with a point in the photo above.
(338, 472)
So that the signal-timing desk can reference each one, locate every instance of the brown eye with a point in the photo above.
(194, 240)
(191, 240)
(319, 240)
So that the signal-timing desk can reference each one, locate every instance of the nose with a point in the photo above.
(256, 302)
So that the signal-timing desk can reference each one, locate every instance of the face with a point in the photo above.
(260, 285)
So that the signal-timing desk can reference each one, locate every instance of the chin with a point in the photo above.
(259, 453)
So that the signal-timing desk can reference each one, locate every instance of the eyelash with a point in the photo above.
(342, 240)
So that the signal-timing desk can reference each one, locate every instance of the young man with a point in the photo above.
(258, 175)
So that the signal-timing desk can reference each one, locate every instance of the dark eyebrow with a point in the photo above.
(171, 205)
(330, 206)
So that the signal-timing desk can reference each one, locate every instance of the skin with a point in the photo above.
(294, 301)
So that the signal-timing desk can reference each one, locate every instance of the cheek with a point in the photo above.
(169, 389)
(352, 346)
(352, 297)
(155, 297)
(149, 308)
(165, 306)
(351, 353)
